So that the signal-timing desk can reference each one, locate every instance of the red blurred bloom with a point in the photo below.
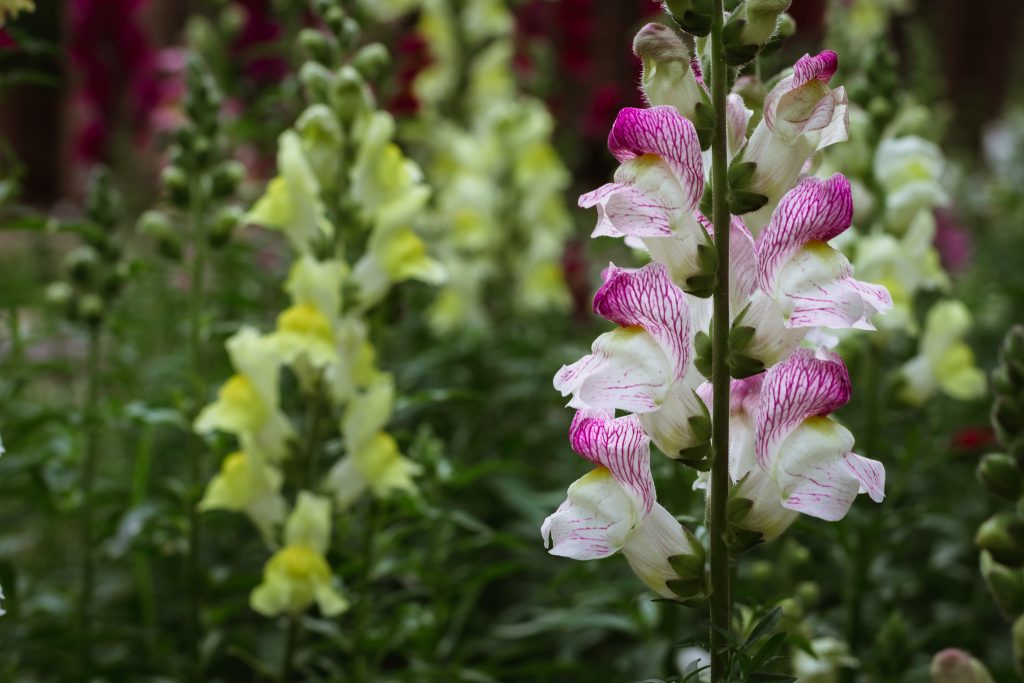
(952, 242)
(973, 437)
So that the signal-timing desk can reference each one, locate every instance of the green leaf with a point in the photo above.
(763, 627)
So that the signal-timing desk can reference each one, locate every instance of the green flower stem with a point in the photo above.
(141, 565)
(197, 293)
(291, 645)
(90, 412)
(719, 554)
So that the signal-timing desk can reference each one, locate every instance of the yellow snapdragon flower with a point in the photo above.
(246, 485)
(247, 404)
(298, 575)
(373, 460)
(945, 362)
(292, 202)
(10, 9)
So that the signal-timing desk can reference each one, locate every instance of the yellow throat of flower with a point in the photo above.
(306, 320)
(240, 393)
(301, 563)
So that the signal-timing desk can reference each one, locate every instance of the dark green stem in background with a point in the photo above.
(721, 608)
(90, 414)
(291, 646)
(197, 292)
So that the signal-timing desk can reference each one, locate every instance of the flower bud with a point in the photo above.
(999, 474)
(693, 16)
(226, 178)
(371, 60)
(231, 20)
(315, 44)
(956, 666)
(667, 77)
(348, 95)
(1006, 585)
(762, 18)
(1018, 644)
(83, 265)
(1002, 535)
(90, 308)
(1007, 417)
(224, 223)
(157, 226)
(175, 182)
(348, 33)
(60, 295)
(317, 81)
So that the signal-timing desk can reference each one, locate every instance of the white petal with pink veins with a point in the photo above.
(625, 211)
(801, 387)
(648, 548)
(626, 371)
(619, 445)
(813, 473)
(664, 132)
(594, 521)
(816, 288)
(647, 298)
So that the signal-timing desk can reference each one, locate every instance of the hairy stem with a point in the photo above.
(90, 413)
(719, 554)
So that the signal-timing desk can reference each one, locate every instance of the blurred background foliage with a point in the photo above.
(453, 584)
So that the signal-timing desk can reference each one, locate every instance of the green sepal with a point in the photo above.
(697, 20)
(742, 366)
(702, 285)
(702, 346)
(745, 201)
(687, 567)
(739, 540)
(738, 508)
(704, 123)
(1006, 586)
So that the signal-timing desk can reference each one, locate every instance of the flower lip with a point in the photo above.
(822, 67)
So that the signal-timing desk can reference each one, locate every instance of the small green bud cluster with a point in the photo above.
(96, 269)
(201, 178)
(1001, 537)
(753, 26)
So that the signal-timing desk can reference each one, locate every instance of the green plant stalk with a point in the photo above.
(141, 566)
(90, 411)
(363, 661)
(195, 332)
(293, 635)
(721, 609)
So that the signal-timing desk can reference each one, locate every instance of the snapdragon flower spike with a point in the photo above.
(801, 116)
(807, 454)
(812, 282)
(657, 187)
(613, 508)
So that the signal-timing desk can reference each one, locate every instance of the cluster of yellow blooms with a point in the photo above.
(499, 217)
(342, 185)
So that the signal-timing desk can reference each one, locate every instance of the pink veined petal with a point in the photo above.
(623, 210)
(647, 297)
(594, 521)
(842, 303)
(813, 210)
(742, 264)
(665, 132)
(800, 387)
(628, 370)
(620, 445)
(816, 288)
(821, 66)
(811, 472)
(870, 473)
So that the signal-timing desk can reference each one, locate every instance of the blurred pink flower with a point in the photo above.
(952, 242)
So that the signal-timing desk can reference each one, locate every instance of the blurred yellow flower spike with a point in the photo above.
(298, 575)
(292, 202)
(9, 9)
(246, 485)
(944, 361)
(247, 404)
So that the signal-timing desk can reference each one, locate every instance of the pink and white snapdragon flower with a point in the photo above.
(787, 284)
